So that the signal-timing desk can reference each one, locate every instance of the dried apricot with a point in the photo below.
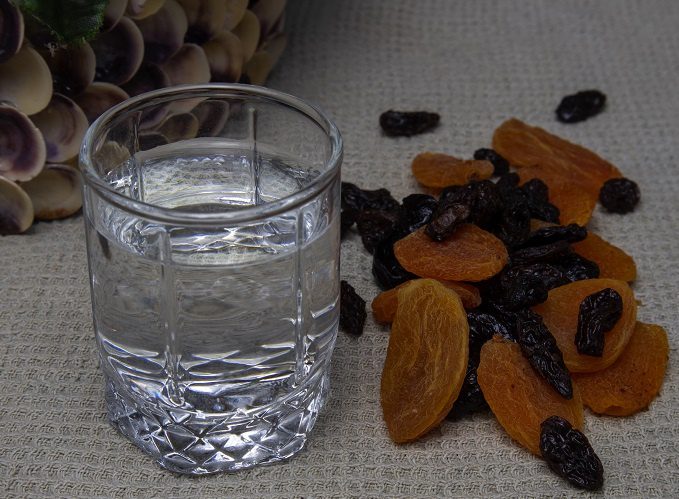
(633, 380)
(519, 397)
(470, 254)
(384, 305)
(560, 313)
(436, 170)
(426, 359)
(613, 262)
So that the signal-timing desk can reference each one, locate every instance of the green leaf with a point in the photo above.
(70, 21)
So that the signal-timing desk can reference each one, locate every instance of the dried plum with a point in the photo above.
(352, 310)
(571, 233)
(569, 454)
(577, 268)
(619, 195)
(598, 314)
(360, 199)
(500, 164)
(545, 253)
(407, 123)
(386, 269)
(375, 226)
(446, 220)
(580, 106)
(540, 348)
(537, 193)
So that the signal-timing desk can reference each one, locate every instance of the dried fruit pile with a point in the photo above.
(62, 64)
(500, 297)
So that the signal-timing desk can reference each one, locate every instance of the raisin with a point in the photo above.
(469, 254)
(386, 269)
(416, 211)
(619, 195)
(470, 399)
(580, 106)
(407, 123)
(569, 454)
(445, 221)
(631, 382)
(571, 233)
(522, 289)
(560, 314)
(612, 261)
(436, 170)
(500, 164)
(507, 182)
(501, 319)
(513, 223)
(520, 398)
(352, 310)
(542, 351)
(537, 193)
(360, 199)
(483, 199)
(550, 275)
(577, 268)
(348, 217)
(374, 226)
(599, 313)
(482, 327)
(426, 359)
(546, 253)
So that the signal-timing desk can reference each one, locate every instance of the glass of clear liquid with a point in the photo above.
(212, 219)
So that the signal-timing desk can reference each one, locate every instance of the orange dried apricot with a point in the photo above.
(633, 380)
(384, 305)
(520, 398)
(470, 254)
(436, 170)
(613, 262)
(426, 359)
(560, 313)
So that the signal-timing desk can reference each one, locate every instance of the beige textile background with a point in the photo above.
(476, 63)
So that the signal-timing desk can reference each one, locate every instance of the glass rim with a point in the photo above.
(172, 215)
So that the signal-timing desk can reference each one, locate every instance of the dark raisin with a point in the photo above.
(482, 198)
(348, 217)
(619, 195)
(569, 454)
(522, 289)
(407, 123)
(445, 221)
(577, 268)
(482, 327)
(507, 182)
(550, 275)
(502, 320)
(374, 226)
(537, 193)
(571, 233)
(416, 211)
(545, 253)
(387, 271)
(599, 312)
(352, 310)
(471, 398)
(540, 348)
(360, 199)
(500, 164)
(580, 106)
(513, 222)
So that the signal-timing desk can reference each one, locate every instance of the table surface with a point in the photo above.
(476, 63)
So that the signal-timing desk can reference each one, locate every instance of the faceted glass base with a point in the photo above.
(191, 443)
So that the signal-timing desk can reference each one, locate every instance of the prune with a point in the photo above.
(571, 233)
(537, 193)
(540, 348)
(500, 164)
(580, 106)
(577, 268)
(386, 269)
(598, 314)
(352, 310)
(446, 220)
(619, 195)
(360, 199)
(426, 359)
(348, 217)
(521, 290)
(416, 211)
(470, 399)
(374, 226)
(545, 253)
(407, 123)
(569, 454)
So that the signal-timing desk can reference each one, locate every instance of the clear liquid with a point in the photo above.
(210, 329)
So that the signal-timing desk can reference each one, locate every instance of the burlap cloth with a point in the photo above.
(476, 63)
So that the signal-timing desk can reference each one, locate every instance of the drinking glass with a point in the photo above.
(212, 221)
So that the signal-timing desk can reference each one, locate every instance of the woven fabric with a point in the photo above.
(476, 63)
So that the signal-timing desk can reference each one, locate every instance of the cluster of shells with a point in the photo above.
(49, 94)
